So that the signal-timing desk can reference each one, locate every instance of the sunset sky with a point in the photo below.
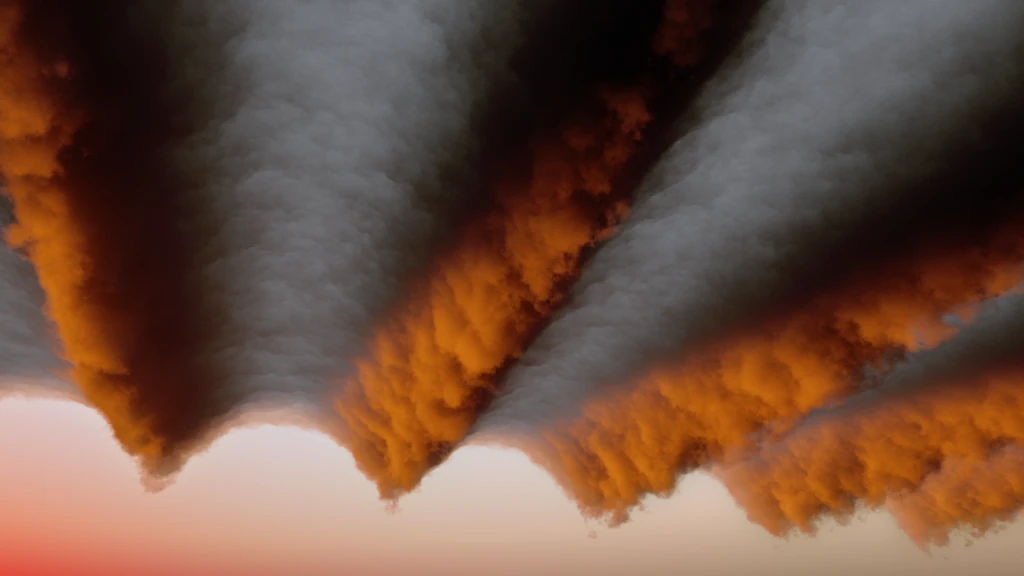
(277, 501)
(511, 287)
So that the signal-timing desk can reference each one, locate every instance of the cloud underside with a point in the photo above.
(775, 240)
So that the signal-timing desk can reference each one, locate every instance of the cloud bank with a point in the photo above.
(829, 116)
(778, 240)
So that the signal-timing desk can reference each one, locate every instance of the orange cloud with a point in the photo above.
(720, 398)
(81, 128)
(432, 364)
(944, 456)
(978, 495)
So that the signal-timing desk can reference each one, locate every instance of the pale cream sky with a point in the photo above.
(272, 500)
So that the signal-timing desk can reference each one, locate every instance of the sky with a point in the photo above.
(530, 286)
(276, 501)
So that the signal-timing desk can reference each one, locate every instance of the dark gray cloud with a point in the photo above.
(992, 340)
(350, 136)
(296, 161)
(342, 138)
(827, 114)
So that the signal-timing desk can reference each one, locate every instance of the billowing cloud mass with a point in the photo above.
(216, 199)
(972, 494)
(778, 240)
(860, 253)
(829, 116)
(719, 398)
(938, 441)
(83, 122)
(348, 138)
(433, 362)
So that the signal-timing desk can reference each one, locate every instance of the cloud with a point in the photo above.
(218, 198)
(979, 496)
(942, 455)
(718, 399)
(91, 208)
(403, 224)
(828, 126)
(434, 360)
(937, 440)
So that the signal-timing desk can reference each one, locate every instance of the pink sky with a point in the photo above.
(282, 501)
